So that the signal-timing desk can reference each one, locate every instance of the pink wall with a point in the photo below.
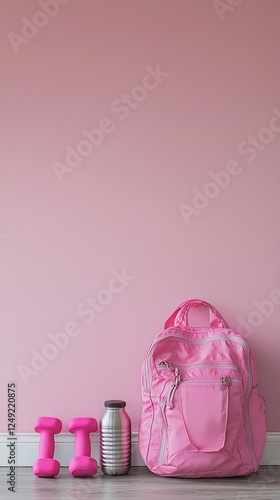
(105, 239)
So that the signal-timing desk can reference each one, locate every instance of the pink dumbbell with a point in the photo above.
(82, 465)
(46, 465)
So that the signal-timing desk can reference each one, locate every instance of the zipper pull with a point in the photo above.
(167, 364)
(177, 378)
(176, 381)
(225, 381)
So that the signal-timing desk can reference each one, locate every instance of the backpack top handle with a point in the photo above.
(180, 316)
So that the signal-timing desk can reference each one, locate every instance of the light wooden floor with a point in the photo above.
(141, 484)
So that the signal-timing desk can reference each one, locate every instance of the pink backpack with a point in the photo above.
(202, 413)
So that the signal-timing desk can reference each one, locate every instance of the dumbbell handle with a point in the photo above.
(82, 443)
(46, 446)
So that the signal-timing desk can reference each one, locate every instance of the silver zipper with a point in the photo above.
(176, 381)
(168, 364)
(225, 382)
(165, 364)
(162, 450)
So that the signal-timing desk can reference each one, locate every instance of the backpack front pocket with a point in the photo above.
(204, 409)
(201, 415)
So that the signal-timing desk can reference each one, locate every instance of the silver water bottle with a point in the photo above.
(115, 439)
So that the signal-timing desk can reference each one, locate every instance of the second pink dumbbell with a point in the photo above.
(82, 465)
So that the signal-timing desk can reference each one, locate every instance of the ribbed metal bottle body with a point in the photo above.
(115, 442)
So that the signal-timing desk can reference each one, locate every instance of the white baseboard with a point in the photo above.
(271, 454)
(27, 449)
(27, 445)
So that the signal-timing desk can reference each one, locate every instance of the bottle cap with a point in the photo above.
(115, 403)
